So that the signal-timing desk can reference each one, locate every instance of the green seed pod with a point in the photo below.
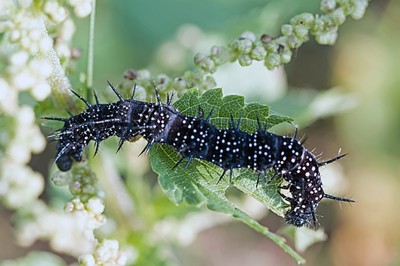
(328, 5)
(272, 61)
(245, 46)
(245, 60)
(219, 55)
(327, 37)
(300, 31)
(305, 19)
(359, 9)
(294, 42)
(287, 29)
(286, 56)
(248, 35)
(258, 53)
(204, 63)
(338, 16)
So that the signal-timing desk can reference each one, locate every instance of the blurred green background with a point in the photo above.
(363, 65)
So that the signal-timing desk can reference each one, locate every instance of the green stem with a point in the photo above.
(89, 80)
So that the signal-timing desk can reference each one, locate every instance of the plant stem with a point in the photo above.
(89, 80)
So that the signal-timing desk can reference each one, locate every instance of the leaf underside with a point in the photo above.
(197, 184)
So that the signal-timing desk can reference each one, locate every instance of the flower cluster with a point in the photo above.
(63, 230)
(82, 8)
(90, 214)
(20, 185)
(275, 51)
(24, 39)
(33, 59)
(188, 80)
(106, 253)
(31, 65)
(81, 181)
(14, 192)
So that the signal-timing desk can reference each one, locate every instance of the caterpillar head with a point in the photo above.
(98, 122)
(302, 214)
(69, 147)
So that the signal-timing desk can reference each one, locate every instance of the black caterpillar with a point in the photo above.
(195, 137)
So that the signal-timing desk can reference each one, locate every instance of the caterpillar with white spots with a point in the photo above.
(196, 138)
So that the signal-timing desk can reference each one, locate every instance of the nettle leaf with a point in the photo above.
(197, 184)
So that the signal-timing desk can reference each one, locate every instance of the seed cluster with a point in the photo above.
(195, 137)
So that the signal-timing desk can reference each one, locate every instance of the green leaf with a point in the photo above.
(197, 184)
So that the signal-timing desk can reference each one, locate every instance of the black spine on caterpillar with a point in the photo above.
(196, 137)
